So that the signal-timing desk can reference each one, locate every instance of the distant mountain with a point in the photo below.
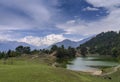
(6, 45)
(73, 44)
(67, 43)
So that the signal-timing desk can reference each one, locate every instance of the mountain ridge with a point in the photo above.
(69, 43)
(6, 45)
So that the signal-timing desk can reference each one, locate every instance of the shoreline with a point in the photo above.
(101, 73)
(114, 69)
(94, 72)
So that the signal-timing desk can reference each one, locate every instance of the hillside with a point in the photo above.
(105, 43)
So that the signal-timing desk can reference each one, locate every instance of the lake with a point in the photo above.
(88, 64)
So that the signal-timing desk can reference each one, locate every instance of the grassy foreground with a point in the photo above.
(33, 70)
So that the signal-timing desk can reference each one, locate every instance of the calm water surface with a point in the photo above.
(85, 64)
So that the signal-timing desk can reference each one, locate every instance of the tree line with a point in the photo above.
(17, 52)
(61, 52)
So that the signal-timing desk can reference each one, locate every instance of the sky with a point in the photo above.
(45, 22)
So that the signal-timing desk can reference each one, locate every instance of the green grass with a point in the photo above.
(27, 70)
(115, 76)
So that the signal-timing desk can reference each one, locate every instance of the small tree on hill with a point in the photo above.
(83, 51)
(20, 49)
(54, 48)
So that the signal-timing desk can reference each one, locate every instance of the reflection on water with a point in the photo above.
(85, 63)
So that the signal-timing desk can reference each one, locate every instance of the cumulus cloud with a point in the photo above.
(43, 41)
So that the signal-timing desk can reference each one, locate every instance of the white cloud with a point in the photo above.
(71, 27)
(38, 13)
(90, 9)
(43, 41)
(104, 3)
(4, 37)
(108, 23)
(71, 22)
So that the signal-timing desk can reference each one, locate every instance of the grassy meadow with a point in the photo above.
(36, 69)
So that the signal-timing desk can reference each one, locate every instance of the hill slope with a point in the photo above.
(27, 70)
(107, 43)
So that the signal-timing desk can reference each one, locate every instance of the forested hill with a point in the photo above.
(105, 43)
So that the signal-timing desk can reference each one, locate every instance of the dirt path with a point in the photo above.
(97, 72)
(115, 69)
(94, 72)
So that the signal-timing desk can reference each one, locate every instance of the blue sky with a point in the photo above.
(44, 22)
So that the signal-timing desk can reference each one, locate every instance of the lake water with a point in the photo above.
(88, 64)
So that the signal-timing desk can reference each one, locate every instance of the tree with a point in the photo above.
(54, 48)
(23, 50)
(2, 54)
(71, 51)
(83, 51)
(63, 47)
(20, 49)
(26, 50)
(8, 53)
(63, 53)
(115, 52)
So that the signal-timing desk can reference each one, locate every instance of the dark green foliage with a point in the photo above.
(2, 54)
(72, 51)
(8, 54)
(83, 51)
(63, 53)
(104, 44)
(115, 52)
(54, 47)
(23, 50)
(26, 50)
(20, 49)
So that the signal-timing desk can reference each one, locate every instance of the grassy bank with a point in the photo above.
(25, 69)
